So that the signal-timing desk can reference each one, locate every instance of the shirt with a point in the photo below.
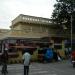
(26, 58)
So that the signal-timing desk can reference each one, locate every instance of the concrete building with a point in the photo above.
(33, 30)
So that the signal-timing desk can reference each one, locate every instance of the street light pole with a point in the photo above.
(71, 31)
(72, 23)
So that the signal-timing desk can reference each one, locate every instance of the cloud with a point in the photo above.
(9, 9)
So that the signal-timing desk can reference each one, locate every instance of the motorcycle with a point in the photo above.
(73, 62)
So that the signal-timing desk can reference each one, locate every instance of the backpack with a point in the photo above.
(49, 54)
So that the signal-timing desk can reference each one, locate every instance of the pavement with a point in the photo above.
(56, 68)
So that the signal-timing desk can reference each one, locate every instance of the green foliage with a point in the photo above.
(63, 11)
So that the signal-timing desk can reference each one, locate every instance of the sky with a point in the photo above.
(10, 9)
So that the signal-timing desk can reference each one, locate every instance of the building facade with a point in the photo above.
(30, 31)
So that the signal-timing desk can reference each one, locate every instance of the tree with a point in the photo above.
(62, 13)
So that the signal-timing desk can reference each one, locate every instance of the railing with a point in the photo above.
(31, 19)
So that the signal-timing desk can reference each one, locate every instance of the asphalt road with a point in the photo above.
(59, 68)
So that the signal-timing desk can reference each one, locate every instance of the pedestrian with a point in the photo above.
(55, 57)
(59, 56)
(26, 60)
(43, 52)
(66, 53)
(49, 55)
(4, 60)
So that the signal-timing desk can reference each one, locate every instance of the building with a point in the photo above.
(30, 31)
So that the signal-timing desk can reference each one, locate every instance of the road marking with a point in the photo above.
(35, 69)
(51, 74)
(40, 72)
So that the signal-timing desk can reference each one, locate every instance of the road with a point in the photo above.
(59, 68)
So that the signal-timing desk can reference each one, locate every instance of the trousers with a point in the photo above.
(26, 70)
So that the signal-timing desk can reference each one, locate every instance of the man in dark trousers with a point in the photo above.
(4, 60)
(26, 59)
(55, 56)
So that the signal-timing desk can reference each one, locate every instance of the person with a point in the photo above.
(55, 57)
(26, 60)
(59, 56)
(44, 56)
(66, 53)
(73, 55)
(4, 60)
(48, 55)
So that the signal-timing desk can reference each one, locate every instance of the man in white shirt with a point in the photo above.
(26, 59)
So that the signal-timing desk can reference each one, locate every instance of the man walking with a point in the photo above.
(26, 60)
(4, 59)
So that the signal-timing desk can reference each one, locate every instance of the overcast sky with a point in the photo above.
(9, 9)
